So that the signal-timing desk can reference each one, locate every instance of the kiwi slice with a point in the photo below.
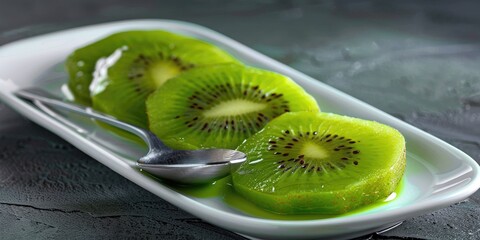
(123, 81)
(320, 163)
(220, 106)
(81, 63)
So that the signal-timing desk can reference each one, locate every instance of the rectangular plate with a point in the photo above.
(437, 174)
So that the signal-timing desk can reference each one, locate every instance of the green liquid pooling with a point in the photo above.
(224, 190)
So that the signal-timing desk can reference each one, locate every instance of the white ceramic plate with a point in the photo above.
(437, 174)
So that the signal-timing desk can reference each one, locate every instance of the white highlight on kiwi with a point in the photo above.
(99, 82)
(391, 197)
(312, 150)
(161, 71)
(67, 92)
(233, 108)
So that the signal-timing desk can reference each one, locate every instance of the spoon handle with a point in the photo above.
(36, 94)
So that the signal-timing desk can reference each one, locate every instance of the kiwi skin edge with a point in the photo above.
(222, 105)
(255, 183)
(80, 64)
(329, 203)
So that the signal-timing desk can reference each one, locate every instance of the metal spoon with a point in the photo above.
(181, 166)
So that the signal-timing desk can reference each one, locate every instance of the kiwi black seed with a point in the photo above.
(324, 163)
(220, 106)
(345, 151)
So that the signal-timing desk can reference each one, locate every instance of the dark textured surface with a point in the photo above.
(418, 62)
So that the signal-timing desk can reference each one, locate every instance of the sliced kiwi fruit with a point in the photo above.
(220, 106)
(81, 63)
(123, 82)
(320, 163)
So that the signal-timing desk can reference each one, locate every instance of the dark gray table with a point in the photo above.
(419, 62)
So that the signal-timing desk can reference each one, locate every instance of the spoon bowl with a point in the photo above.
(180, 166)
(191, 167)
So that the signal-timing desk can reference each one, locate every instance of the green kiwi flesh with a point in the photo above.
(306, 163)
(81, 63)
(122, 84)
(220, 106)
